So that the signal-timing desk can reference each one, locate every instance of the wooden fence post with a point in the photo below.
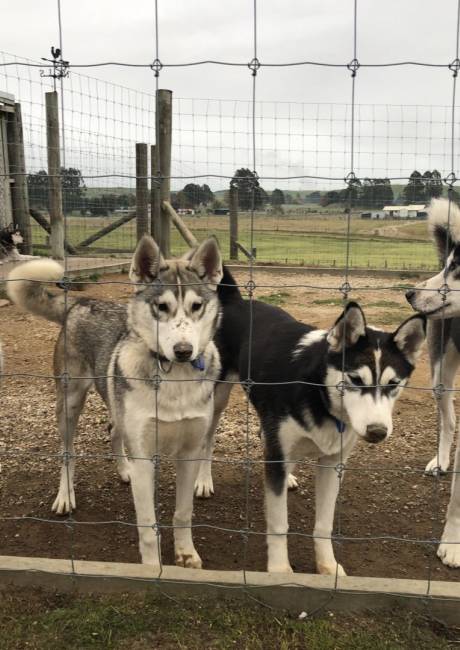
(233, 214)
(155, 202)
(164, 142)
(19, 193)
(142, 190)
(54, 176)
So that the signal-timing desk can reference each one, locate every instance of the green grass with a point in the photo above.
(277, 298)
(311, 242)
(38, 620)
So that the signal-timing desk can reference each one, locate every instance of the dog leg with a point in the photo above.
(142, 478)
(327, 489)
(68, 409)
(449, 549)
(204, 486)
(184, 550)
(118, 451)
(440, 463)
(277, 527)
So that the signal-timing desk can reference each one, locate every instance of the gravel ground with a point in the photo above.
(384, 495)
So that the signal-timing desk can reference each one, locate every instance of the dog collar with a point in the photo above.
(198, 363)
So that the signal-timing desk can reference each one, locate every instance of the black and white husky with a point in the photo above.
(153, 362)
(439, 299)
(10, 239)
(308, 406)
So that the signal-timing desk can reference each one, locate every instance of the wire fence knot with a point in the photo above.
(444, 290)
(455, 67)
(439, 390)
(65, 283)
(353, 66)
(341, 387)
(156, 66)
(345, 289)
(254, 65)
(450, 179)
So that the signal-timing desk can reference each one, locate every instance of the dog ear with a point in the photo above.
(348, 328)
(206, 260)
(410, 335)
(444, 242)
(147, 262)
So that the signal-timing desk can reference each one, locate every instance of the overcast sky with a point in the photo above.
(315, 30)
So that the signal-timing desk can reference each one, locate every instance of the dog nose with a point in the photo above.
(183, 351)
(409, 295)
(375, 433)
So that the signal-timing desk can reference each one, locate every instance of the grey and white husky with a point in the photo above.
(154, 363)
(439, 299)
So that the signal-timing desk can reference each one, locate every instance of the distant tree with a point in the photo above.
(277, 198)
(249, 189)
(313, 197)
(73, 189)
(433, 184)
(414, 192)
(375, 193)
(192, 195)
(38, 187)
(330, 197)
(288, 198)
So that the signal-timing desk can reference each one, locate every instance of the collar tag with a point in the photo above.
(339, 425)
(198, 363)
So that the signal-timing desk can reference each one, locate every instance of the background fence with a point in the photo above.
(302, 152)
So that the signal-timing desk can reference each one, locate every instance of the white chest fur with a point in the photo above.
(183, 392)
(297, 442)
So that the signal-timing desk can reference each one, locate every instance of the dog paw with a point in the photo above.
(204, 487)
(292, 483)
(449, 554)
(64, 502)
(190, 560)
(437, 466)
(332, 569)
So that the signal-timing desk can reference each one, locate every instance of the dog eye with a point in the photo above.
(394, 383)
(162, 306)
(356, 380)
(196, 306)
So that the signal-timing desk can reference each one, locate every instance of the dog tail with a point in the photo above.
(27, 288)
(227, 289)
(444, 225)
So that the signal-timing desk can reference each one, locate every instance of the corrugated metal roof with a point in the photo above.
(395, 207)
(420, 206)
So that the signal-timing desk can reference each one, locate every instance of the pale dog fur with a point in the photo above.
(430, 298)
(118, 349)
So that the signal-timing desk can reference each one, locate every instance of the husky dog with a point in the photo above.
(10, 239)
(308, 406)
(439, 299)
(153, 362)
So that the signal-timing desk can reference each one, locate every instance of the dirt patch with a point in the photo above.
(387, 514)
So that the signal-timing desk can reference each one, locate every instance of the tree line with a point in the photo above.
(365, 193)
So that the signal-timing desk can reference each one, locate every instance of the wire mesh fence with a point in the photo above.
(303, 148)
(319, 185)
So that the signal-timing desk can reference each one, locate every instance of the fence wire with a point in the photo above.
(240, 133)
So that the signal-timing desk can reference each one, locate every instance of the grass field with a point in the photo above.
(312, 240)
(39, 620)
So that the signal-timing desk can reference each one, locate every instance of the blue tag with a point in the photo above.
(198, 363)
(340, 426)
